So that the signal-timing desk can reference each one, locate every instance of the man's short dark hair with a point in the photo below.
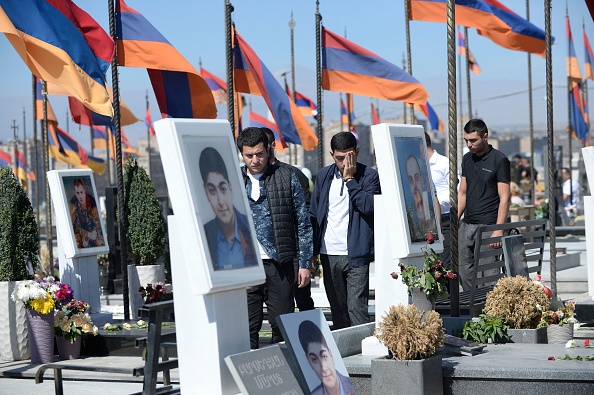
(212, 162)
(427, 140)
(343, 141)
(518, 156)
(476, 125)
(310, 333)
(250, 137)
(269, 134)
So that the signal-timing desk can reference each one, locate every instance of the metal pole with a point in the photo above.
(36, 150)
(404, 111)
(452, 127)
(122, 219)
(48, 202)
(25, 151)
(408, 54)
(550, 146)
(319, 85)
(531, 119)
(229, 52)
(15, 131)
(148, 138)
(460, 145)
(468, 90)
(294, 98)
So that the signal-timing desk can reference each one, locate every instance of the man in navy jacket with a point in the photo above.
(342, 219)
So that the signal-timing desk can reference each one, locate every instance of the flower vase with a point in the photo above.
(14, 345)
(41, 336)
(559, 334)
(421, 300)
(412, 377)
(68, 350)
(103, 279)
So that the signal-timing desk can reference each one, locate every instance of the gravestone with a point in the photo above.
(262, 372)
(514, 255)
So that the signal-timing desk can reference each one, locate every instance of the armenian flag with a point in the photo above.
(347, 67)
(83, 116)
(252, 76)
(344, 118)
(258, 121)
(216, 85)
(588, 59)
(579, 118)
(434, 120)
(307, 106)
(148, 122)
(462, 51)
(573, 68)
(180, 90)
(375, 118)
(64, 148)
(5, 159)
(22, 163)
(62, 44)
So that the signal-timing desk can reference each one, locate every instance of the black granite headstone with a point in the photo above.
(514, 255)
(264, 371)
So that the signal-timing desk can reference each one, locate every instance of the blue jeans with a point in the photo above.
(347, 289)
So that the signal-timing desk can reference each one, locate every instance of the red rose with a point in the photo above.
(437, 275)
(551, 358)
(430, 239)
(587, 343)
(440, 262)
(451, 275)
(394, 275)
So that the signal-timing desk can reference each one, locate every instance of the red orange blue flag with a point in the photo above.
(252, 76)
(470, 13)
(179, 89)
(22, 162)
(434, 121)
(62, 44)
(523, 35)
(64, 148)
(589, 59)
(148, 122)
(579, 118)
(347, 67)
(573, 68)
(474, 67)
(5, 159)
(216, 85)
(375, 118)
(258, 121)
(307, 106)
(84, 116)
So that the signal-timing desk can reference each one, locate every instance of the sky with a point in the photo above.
(197, 30)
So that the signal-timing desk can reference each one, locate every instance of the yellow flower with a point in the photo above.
(43, 306)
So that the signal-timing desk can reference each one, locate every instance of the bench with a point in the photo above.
(489, 263)
(155, 343)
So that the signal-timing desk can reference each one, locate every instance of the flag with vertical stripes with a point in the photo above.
(474, 67)
(252, 76)
(349, 68)
(180, 90)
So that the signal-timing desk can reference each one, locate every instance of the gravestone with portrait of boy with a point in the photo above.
(81, 235)
(210, 306)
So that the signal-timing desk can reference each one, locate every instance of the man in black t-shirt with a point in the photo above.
(483, 196)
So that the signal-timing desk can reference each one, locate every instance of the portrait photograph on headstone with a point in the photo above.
(403, 167)
(314, 350)
(208, 198)
(76, 202)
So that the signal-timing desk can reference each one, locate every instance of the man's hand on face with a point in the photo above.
(350, 165)
(304, 276)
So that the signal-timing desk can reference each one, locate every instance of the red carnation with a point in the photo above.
(551, 358)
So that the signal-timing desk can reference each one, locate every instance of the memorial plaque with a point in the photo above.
(514, 255)
(264, 371)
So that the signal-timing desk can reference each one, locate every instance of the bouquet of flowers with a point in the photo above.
(157, 292)
(102, 260)
(43, 295)
(73, 320)
(563, 315)
(432, 278)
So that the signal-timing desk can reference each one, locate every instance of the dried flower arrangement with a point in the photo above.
(411, 334)
(518, 301)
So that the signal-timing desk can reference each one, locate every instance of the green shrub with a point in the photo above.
(145, 225)
(19, 236)
(486, 328)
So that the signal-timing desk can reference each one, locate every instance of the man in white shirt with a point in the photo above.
(570, 195)
(440, 174)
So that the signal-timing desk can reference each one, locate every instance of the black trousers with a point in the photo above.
(302, 295)
(445, 256)
(277, 293)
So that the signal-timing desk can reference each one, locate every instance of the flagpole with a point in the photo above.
(122, 218)
(404, 112)
(570, 131)
(15, 131)
(550, 146)
(294, 98)
(531, 119)
(453, 131)
(36, 150)
(107, 159)
(341, 117)
(319, 86)
(25, 151)
(466, 46)
(92, 140)
(229, 53)
(408, 55)
(49, 238)
(348, 110)
(460, 146)
(148, 137)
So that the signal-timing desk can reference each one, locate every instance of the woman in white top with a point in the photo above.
(516, 194)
